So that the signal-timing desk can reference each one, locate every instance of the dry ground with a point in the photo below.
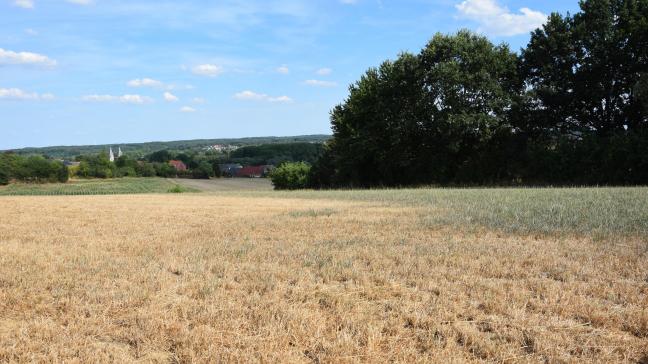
(209, 278)
(226, 184)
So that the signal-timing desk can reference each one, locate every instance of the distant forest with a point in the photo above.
(275, 154)
(140, 150)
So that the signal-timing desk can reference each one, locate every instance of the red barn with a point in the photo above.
(178, 165)
(253, 171)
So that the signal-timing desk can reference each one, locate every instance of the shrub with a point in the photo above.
(177, 189)
(73, 171)
(4, 177)
(204, 170)
(61, 171)
(290, 176)
(144, 169)
(165, 170)
(126, 172)
(96, 166)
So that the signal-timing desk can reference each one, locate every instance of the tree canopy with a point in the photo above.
(34, 169)
(570, 109)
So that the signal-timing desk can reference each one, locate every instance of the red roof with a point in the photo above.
(251, 171)
(178, 165)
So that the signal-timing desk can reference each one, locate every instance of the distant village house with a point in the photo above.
(237, 170)
(229, 169)
(222, 148)
(254, 171)
(178, 165)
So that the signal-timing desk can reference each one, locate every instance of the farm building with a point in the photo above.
(254, 171)
(69, 163)
(178, 165)
(230, 169)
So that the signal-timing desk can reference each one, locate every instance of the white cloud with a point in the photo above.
(281, 99)
(187, 109)
(319, 83)
(251, 95)
(124, 99)
(284, 70)
(198, 100)
(324, 71)
(145, 82)
(170, 97)
(31, 31)
(210, 70)
(349, 2)
(18, 94)
(498, 20)
(27, 4)
(10, 57)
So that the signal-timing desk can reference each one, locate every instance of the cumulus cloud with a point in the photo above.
(145, 82)
(20, 95)
(284, 70)
(28, 58)
(251, 95)
(198, 100)
(124, 99)
(187, 109)
(27, 4)
(498, 20)
(324, 71)
(320, 83)
(80, 2)
(170, 97)
(282, 99)
(210, 70)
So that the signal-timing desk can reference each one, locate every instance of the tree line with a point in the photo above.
(154, 165)
(570, 109)
(200, 164)
(32, 169)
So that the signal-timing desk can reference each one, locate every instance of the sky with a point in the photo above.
(77, 72)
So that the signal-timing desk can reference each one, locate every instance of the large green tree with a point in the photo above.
(585, 71)
(586, 80)
(426, 118)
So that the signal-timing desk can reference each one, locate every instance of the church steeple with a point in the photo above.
(111, 156)
(119, 152)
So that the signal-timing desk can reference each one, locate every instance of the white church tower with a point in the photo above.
(111, 156)
(119, 152)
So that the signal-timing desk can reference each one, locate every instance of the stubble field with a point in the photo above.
(351, 276)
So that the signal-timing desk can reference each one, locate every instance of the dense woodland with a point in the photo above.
(570, 109)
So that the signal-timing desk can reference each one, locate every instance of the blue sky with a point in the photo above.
(103, 71)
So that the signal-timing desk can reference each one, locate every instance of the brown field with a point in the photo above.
(241, 278)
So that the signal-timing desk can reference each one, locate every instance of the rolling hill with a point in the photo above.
(180, 145)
